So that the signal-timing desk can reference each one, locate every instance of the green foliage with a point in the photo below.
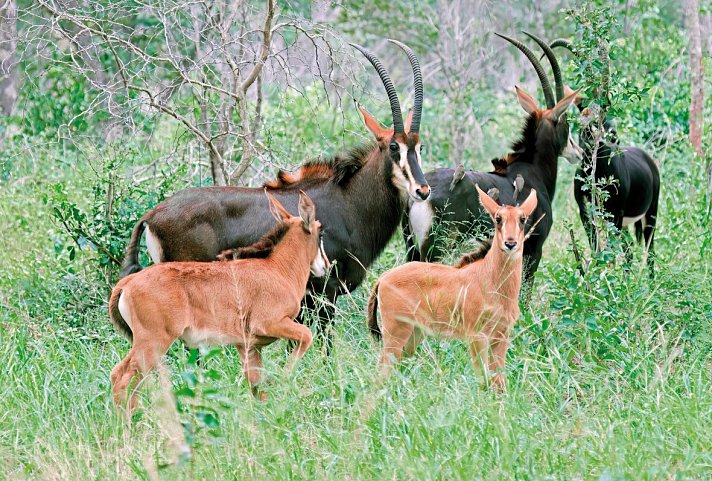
(200, 404)
(117, 203)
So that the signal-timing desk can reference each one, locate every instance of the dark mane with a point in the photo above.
(479, 253)
(339, 170)
(260, 249)
(522, 150)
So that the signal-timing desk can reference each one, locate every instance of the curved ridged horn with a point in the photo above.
(554, 64)
(388, 84)
(561, 42)
(417, 85)
(545, 85)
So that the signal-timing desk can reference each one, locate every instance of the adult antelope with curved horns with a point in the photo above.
(361, 194)
(632, 197)
(452, 209)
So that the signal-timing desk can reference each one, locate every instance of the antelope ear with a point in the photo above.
(277, 209)
(408, 121)
(559, 109)
(529, 205)
(578, 101)
(382, 134)
(307, 210)
(487, 202)
(526, 101)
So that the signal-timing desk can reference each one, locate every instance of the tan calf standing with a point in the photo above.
(249, 302)
(476, 301)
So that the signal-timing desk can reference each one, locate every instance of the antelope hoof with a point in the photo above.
(498, 383)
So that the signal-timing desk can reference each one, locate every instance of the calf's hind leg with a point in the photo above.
(141, 359)
(395, 336)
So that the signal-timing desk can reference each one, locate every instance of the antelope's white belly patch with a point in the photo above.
(154, 247)
(632, 220)
(204, 337)
(421, 220)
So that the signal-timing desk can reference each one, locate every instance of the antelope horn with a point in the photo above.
(388, 84)
(554, 64)
(562, 42)
(417, 85)
(545, 85)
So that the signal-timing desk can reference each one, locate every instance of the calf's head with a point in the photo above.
(509, 221)
(307, 226)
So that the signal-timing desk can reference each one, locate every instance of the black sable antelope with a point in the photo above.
(361, 194)
(452, 209)
(632, 197)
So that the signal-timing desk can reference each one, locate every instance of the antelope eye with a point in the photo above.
(393, 147)
(522, 220)
(498, 219)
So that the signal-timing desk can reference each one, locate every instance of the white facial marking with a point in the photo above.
(154, 246)
(320, 264)
(573, 153)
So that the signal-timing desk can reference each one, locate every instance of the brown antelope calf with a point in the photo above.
(477, 300)
(249, 300)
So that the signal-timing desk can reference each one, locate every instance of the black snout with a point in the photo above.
(510, 244)
(423, 192)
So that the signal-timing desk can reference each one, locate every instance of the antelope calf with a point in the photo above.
(249, 300)
(476, 301)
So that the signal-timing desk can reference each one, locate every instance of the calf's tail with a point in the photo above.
(373, 312)
(115, 315)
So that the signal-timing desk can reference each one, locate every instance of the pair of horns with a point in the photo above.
(549, 53)
(398, 127)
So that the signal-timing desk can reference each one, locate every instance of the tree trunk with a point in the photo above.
(694, 48)
(8, 64)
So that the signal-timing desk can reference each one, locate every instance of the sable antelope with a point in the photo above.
(476, 301)
(362, 195)
(544, 137)
(632, 197)
(250, 300)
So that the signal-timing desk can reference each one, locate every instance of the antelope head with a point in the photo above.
(401, 143)
(508, 221)
(552, 127)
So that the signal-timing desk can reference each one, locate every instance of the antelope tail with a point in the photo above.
(373, 312)
(130, 264)
(115, 315)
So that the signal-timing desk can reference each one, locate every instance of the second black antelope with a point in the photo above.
(631, 177)
(453, 210)
(361, 194)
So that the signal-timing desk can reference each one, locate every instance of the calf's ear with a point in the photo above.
(530, 204)
(487, 202)
(307, 210)
(277, 209)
